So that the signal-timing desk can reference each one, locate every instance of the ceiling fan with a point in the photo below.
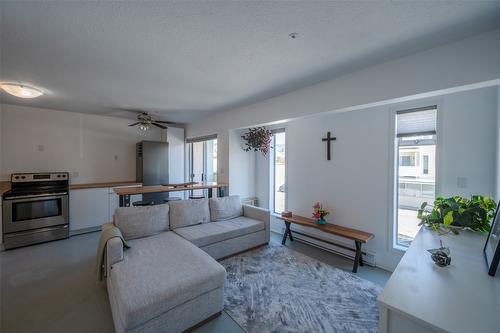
(145, 121)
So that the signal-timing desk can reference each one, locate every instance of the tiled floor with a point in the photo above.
(52, 287)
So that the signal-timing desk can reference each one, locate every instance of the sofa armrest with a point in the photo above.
(114, 252)
(260, 214)
(107, 225)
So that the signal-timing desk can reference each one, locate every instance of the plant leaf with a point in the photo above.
(448, 219)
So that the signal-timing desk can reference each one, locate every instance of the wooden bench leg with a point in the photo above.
(358, 259)
(287, 233)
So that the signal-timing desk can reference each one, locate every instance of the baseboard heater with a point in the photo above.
(336, 248)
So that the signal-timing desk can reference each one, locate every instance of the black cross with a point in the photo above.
(328, 139)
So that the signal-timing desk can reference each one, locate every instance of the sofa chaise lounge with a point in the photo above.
(169, 279)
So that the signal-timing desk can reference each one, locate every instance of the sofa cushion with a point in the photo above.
(137, 222)
(214, 232)
(159, 273)
(184, 213)
(225, 208)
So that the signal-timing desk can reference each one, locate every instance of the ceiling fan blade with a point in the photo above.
(165, 122)
(160, 126)
(134, 124)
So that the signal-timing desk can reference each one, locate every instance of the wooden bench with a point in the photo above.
(359, 237)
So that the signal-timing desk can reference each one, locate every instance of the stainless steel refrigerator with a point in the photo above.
(152, 167)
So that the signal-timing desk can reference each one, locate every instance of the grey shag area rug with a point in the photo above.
(276, 289)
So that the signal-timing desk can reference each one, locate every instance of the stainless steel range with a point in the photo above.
(36, 209)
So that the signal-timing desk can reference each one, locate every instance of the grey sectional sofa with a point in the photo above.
(169, 280)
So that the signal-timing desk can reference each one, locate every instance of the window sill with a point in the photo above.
(399, 248)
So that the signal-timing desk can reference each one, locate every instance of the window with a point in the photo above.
(202, 163)
(414, 184)
(278, 171)
(407, 159)
(426, 165)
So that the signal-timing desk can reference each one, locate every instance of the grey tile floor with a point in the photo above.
(52, 287)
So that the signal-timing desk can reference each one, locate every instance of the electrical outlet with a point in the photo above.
(116, 157)
(41, 147)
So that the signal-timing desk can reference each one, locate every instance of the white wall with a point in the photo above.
(470, 61)
(467, 135)
(468, 142)
(93, 148)
(241, 167)
(356, 183)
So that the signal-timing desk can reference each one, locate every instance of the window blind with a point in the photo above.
(421, 121)
(202, 138)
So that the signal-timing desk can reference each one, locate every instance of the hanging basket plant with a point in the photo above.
(258, 139)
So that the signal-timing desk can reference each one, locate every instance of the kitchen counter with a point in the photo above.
(4, 187)
(103, 185)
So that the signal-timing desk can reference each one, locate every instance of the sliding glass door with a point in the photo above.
(202, 161)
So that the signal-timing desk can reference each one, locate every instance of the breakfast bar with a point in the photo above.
(124, 193)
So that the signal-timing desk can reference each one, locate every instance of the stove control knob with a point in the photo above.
(23, 177)
(16, 177)
(58, 176)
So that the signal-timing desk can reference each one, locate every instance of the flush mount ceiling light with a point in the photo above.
(20, 90)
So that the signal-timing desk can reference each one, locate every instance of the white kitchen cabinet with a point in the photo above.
(91, 208)
(88, 208)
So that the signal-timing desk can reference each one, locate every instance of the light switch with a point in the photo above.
(461, 182)
(41, 147)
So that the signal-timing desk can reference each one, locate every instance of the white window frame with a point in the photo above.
(272, 168)
(392, 245)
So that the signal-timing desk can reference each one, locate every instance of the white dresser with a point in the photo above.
(422, 297)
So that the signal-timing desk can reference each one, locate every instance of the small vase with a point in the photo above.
(321, 221)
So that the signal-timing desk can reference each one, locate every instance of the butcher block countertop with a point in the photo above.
(4, 187)
(103, 185)
(164, 188)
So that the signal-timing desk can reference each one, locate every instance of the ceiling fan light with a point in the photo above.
(20, 90)
(144, 127)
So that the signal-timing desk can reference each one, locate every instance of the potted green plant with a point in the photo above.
(454, 213)
(258, 139)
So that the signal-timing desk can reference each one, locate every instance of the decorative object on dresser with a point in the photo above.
(492, 246)
(441, 255)
(451, 214)
(258, 139)
(328, 140)
(319, 213)
(359, 237)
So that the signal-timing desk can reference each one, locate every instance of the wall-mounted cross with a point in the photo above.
(328, 139)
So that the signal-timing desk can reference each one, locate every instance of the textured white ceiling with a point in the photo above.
(186, 59)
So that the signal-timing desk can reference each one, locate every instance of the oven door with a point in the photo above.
(35, 212)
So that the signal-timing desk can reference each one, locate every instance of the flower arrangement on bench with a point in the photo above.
(319, 213)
